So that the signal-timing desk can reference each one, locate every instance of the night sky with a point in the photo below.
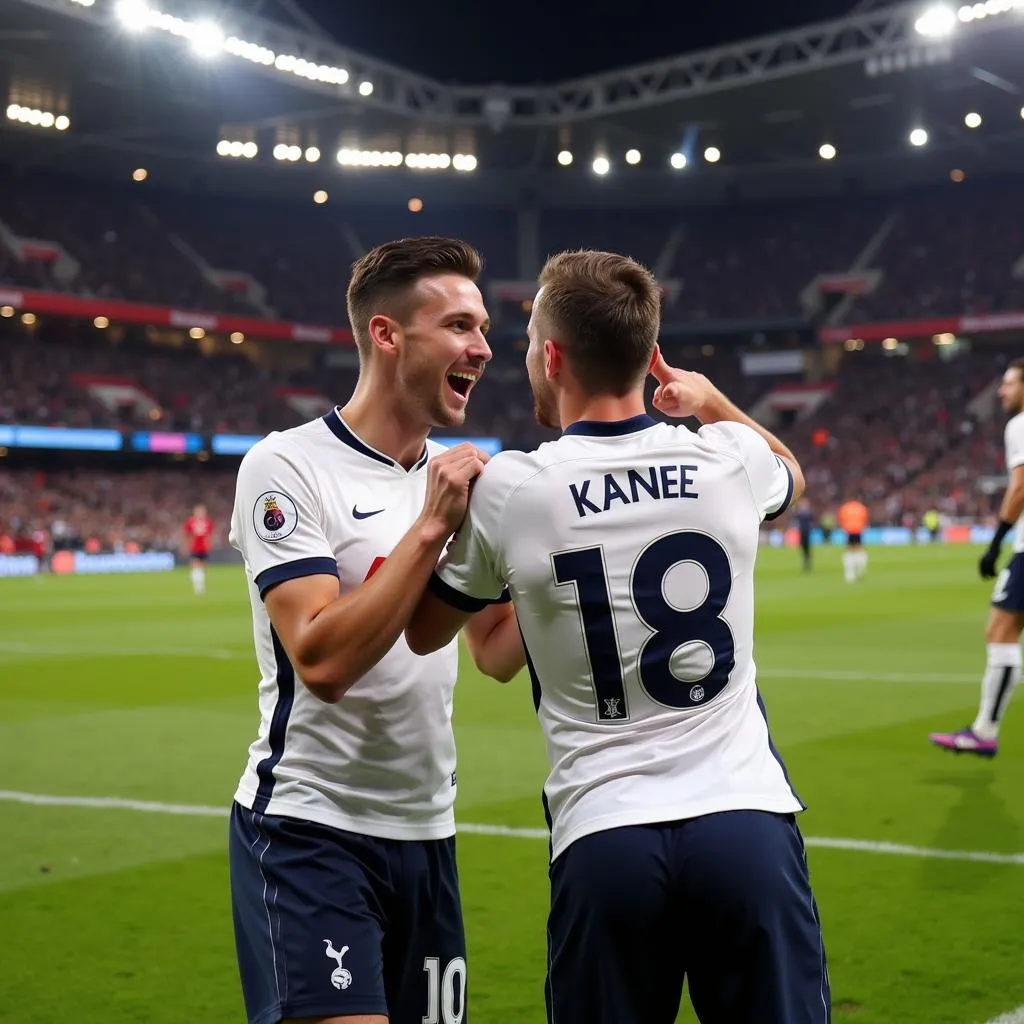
(534, 41)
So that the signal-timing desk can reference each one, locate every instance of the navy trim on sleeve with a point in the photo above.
(789, 494)
(319, 566)
(455, 598)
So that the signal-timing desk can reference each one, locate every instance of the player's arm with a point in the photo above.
(491, 634)
(682, 393)
(333, 639)
(467, 591)
(1009, 512)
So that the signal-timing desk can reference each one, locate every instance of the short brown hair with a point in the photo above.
(382, 280)
(1018, 365)
(605, 309)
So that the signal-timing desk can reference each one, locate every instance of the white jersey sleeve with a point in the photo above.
(1014, 439)
(770, 478)
(278, 519)
(470, 576)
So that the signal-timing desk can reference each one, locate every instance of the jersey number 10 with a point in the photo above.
(584, 568)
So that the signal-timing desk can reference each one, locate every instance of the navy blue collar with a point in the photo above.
(340, 429)
(610, 428)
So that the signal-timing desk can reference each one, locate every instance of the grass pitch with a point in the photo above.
(132, 688)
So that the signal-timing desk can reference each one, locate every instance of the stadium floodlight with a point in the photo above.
(712, 154)
(134, 15)
(601, 165)
(13, 111)
(279, 151)
(223, 148)
(312, 154)
(936, 22)
(632, 156)
(101, 323)
(565, 157)
(140, 174)
(972, 120)
(249, 150)
(464, 162)
(62, 122)
(237, 337)
(827, 151)
(677, 161)
(366, 88)
(918, 137)
(7, 312)
(249, 51)
(207, 38)
(320, 197)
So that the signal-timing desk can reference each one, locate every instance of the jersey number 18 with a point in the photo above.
(584, 568)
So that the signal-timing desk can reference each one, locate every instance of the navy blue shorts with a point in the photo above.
(200, 556)
(331, 923)
(1009, 589)
(723, 900)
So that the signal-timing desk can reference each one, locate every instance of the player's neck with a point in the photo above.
(383, 424)
(600, 408)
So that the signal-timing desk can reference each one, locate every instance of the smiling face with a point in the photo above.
(441, 348)
(1011, 390)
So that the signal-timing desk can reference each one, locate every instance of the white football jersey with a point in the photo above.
(1013, 437)
(380, 762)
(628, 550)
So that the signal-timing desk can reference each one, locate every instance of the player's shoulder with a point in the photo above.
(507, 469)
(287, 444)
(1015, 427)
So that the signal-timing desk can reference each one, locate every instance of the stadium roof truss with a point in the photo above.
(863, 34)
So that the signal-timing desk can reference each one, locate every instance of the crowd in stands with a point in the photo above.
(110, 509)
(941, 252)
(897, 432)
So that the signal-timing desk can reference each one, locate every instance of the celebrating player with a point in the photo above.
(854, 518)
(628, 549)
(343, 877)
(198, 530)
(1006, 618)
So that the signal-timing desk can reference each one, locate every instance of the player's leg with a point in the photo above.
(805, 549)
(309, 920)
(198, 575)
(757, 955)
(361, 1019)
(615, 952)
(862, 559)
(850, 559)
(1002, 668)
(425, 944)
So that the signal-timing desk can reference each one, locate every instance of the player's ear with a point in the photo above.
(655, 356)
(384, 333)
(554, 359)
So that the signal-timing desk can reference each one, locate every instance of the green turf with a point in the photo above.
(132, 687)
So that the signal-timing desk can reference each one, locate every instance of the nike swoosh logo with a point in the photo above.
(356, 514)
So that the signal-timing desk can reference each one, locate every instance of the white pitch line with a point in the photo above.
(473, 828)
(828, 675)
(1012, 1017)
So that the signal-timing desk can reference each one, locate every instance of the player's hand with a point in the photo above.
(680, 393)
(450, 478)
(987, 565)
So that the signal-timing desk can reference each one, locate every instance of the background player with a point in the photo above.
(803, 519)
(1006, 617)
(198, 530)
(853, 519)
(628, 547)
(343, 877)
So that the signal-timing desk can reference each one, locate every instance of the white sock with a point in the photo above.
(199, 579)
(862, 562)
(1002, 673)
(850, 565)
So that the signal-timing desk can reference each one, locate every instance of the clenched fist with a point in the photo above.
(450, 477)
